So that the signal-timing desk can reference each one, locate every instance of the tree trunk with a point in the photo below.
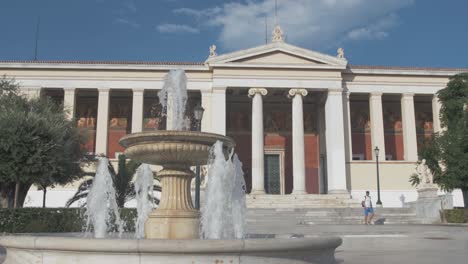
(17, 187)
(23, 192)
(44, 192)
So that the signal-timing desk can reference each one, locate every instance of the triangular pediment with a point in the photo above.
(277, 54)
(278, 57)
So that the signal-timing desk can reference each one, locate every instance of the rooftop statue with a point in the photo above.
(340, 53)
(213, 51)
(278, 34)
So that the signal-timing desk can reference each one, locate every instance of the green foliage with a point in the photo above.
(414, 180)
(52, 220)
(124, 187)
(38, 144)
(447, 153)
(456, 215)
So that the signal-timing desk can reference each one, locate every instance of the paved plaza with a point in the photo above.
(425, 244)
(390, 243)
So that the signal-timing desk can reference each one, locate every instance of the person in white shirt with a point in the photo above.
(368, 209)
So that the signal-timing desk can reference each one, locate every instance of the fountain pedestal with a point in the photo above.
(176, 218)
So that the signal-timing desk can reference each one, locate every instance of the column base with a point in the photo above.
(299, 192)
(172, 224)
(342, 192)
(257, 192)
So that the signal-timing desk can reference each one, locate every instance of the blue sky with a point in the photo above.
(373, 32)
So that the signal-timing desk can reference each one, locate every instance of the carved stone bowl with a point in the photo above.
(172, 148)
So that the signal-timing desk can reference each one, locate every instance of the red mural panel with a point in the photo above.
(120, 123)
(393, 130)
(86, 118)
(312, 163)
(360, 130)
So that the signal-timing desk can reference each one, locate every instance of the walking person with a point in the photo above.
(368, 209)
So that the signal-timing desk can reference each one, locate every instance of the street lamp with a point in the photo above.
(376, 151)
(198, 116)
(198, 111)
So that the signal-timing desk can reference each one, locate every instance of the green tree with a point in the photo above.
(446, 153)
(38, 144)
(124, 187)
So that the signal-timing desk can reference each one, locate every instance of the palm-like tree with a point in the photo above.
(124, 187)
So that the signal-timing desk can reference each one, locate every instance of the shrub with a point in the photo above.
(53, 220)
(456, 215)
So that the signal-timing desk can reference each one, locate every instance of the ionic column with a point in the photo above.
(137, 110)
(298, 140)
(69, 100)
(334, 122)
(102, 121)
(436, 105)
(206, 104)
(218, 104)
(409, 127)
(377, 124)
(258, 169)
(347, 116)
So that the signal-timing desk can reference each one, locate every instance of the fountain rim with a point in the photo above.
(205, 138)
(200, 246)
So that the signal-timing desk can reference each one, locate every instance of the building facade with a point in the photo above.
(305, 123)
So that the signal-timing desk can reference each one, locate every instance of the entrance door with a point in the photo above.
(273, 174)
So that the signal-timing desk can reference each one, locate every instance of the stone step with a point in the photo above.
(305, 216)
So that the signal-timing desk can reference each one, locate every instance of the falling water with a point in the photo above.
(144, 197)
(222, 215)
(173, 98)
(101, 206)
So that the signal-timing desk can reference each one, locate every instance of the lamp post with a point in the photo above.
(198, 116)
(376, 151)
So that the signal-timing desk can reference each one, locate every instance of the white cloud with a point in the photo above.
(378, 30)
(176, 28)
(315, 24)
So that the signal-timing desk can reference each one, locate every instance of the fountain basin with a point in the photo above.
(57, 250)
(168, 148)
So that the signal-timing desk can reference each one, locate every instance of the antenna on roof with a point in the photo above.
(37, 37)
(276, 12)
(266, 30)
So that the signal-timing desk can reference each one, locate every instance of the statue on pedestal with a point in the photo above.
(424, 173)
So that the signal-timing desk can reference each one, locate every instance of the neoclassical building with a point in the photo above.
(306, 124)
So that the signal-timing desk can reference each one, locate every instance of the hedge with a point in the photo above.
(53, 220)
(458, 215)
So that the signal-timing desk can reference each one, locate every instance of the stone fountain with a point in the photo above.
(175, 151)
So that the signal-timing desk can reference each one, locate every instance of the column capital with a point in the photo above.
(375, 94)
(294, 92)
(70, 89)
(407, 95)
(103, 90)
(336, 91)
(253, 91)
(219, 89)
(138, 90)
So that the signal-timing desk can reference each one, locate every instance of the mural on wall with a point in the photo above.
(275, 121)
(360, 130)
(152, 115)
(393, 128)
(120, 114)
(86, 120)
(86, 115)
